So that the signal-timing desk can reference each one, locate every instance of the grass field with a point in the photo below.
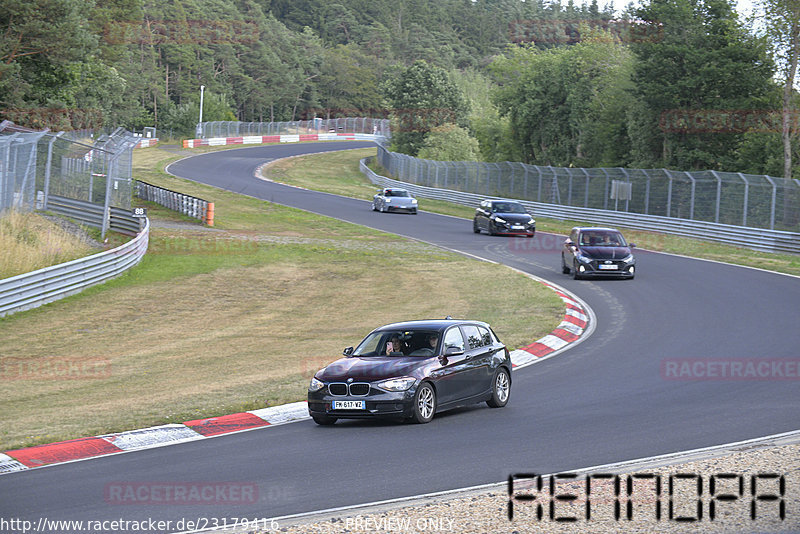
(29, 241)
(310, 173)
(237, 317)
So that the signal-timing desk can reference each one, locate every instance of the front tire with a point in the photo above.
(323, 420)
(501, 389)
(575, 274)
(475, 227)
(424, 404)
(564, 268)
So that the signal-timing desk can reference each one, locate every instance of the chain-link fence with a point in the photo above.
(364, 125)
(757, 201)
(35, 166)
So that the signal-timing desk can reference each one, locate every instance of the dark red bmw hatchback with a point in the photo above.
(411, 371)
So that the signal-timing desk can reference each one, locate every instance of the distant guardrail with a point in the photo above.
(120, 220)
(30, 290)
(753, 238)
(180, 202)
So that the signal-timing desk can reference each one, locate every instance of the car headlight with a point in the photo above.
(500, 220)
(414, 201)
(397, 384)
(583, 259)
(315, 385)
(628, 258)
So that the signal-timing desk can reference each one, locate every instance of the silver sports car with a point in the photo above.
(391, 199)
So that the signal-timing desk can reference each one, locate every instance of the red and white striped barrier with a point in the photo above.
(145, 143)
(286, 138)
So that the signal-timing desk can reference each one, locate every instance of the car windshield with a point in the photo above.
(603, 238)
(399, 343)
(508, 207)
(397, 193)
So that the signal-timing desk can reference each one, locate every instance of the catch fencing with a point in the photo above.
(77, 165)
(754, 238)
(364, 125)
(727, 198)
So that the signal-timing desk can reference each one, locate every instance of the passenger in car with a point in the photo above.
(395, 345)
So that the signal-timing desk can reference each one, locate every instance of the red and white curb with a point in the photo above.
(291, 138)
(576, 326)
(147, 438)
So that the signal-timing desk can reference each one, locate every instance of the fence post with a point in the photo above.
(719, 193)
(772, 208)
(107, 203)
(669, 192)
(627, 179)
(646, 193)
(746, 197)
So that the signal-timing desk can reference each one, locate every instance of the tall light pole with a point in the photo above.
(200, 122)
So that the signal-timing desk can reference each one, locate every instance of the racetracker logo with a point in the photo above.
(56, 118)
(558, 32)
(54, 368)
(161, 32)
(730, 369)
(178, 493)
(698, 121)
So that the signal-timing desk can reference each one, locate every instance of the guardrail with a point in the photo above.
(753, 238)
(186, 204)
(93, 215)
(30, 290)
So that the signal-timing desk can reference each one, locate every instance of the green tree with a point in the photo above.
(566, 105)
(450, 143)
(420, 98)
(348, 81)
(704, 59)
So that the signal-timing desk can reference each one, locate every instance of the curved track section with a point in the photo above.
(607, 400)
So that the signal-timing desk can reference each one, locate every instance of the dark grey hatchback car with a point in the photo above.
(411, 371)
(596, 252)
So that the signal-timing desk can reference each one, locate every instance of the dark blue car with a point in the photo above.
(413, 370)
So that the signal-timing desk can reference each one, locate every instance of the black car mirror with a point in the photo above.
(453, 351)
(632, 245)
(348, 351)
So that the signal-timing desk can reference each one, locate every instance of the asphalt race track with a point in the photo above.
(604, 401)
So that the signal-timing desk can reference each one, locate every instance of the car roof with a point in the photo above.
(429, 324)
(495, 200)
(593, 228)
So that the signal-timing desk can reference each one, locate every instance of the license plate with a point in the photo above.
(608, 267)
(349, 405)
(518, 227)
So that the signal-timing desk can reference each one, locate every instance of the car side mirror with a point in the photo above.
(632, 245)
(453, 351)
(348, 351)
(568, 242)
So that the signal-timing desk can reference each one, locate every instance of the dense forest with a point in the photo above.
(685, 84)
